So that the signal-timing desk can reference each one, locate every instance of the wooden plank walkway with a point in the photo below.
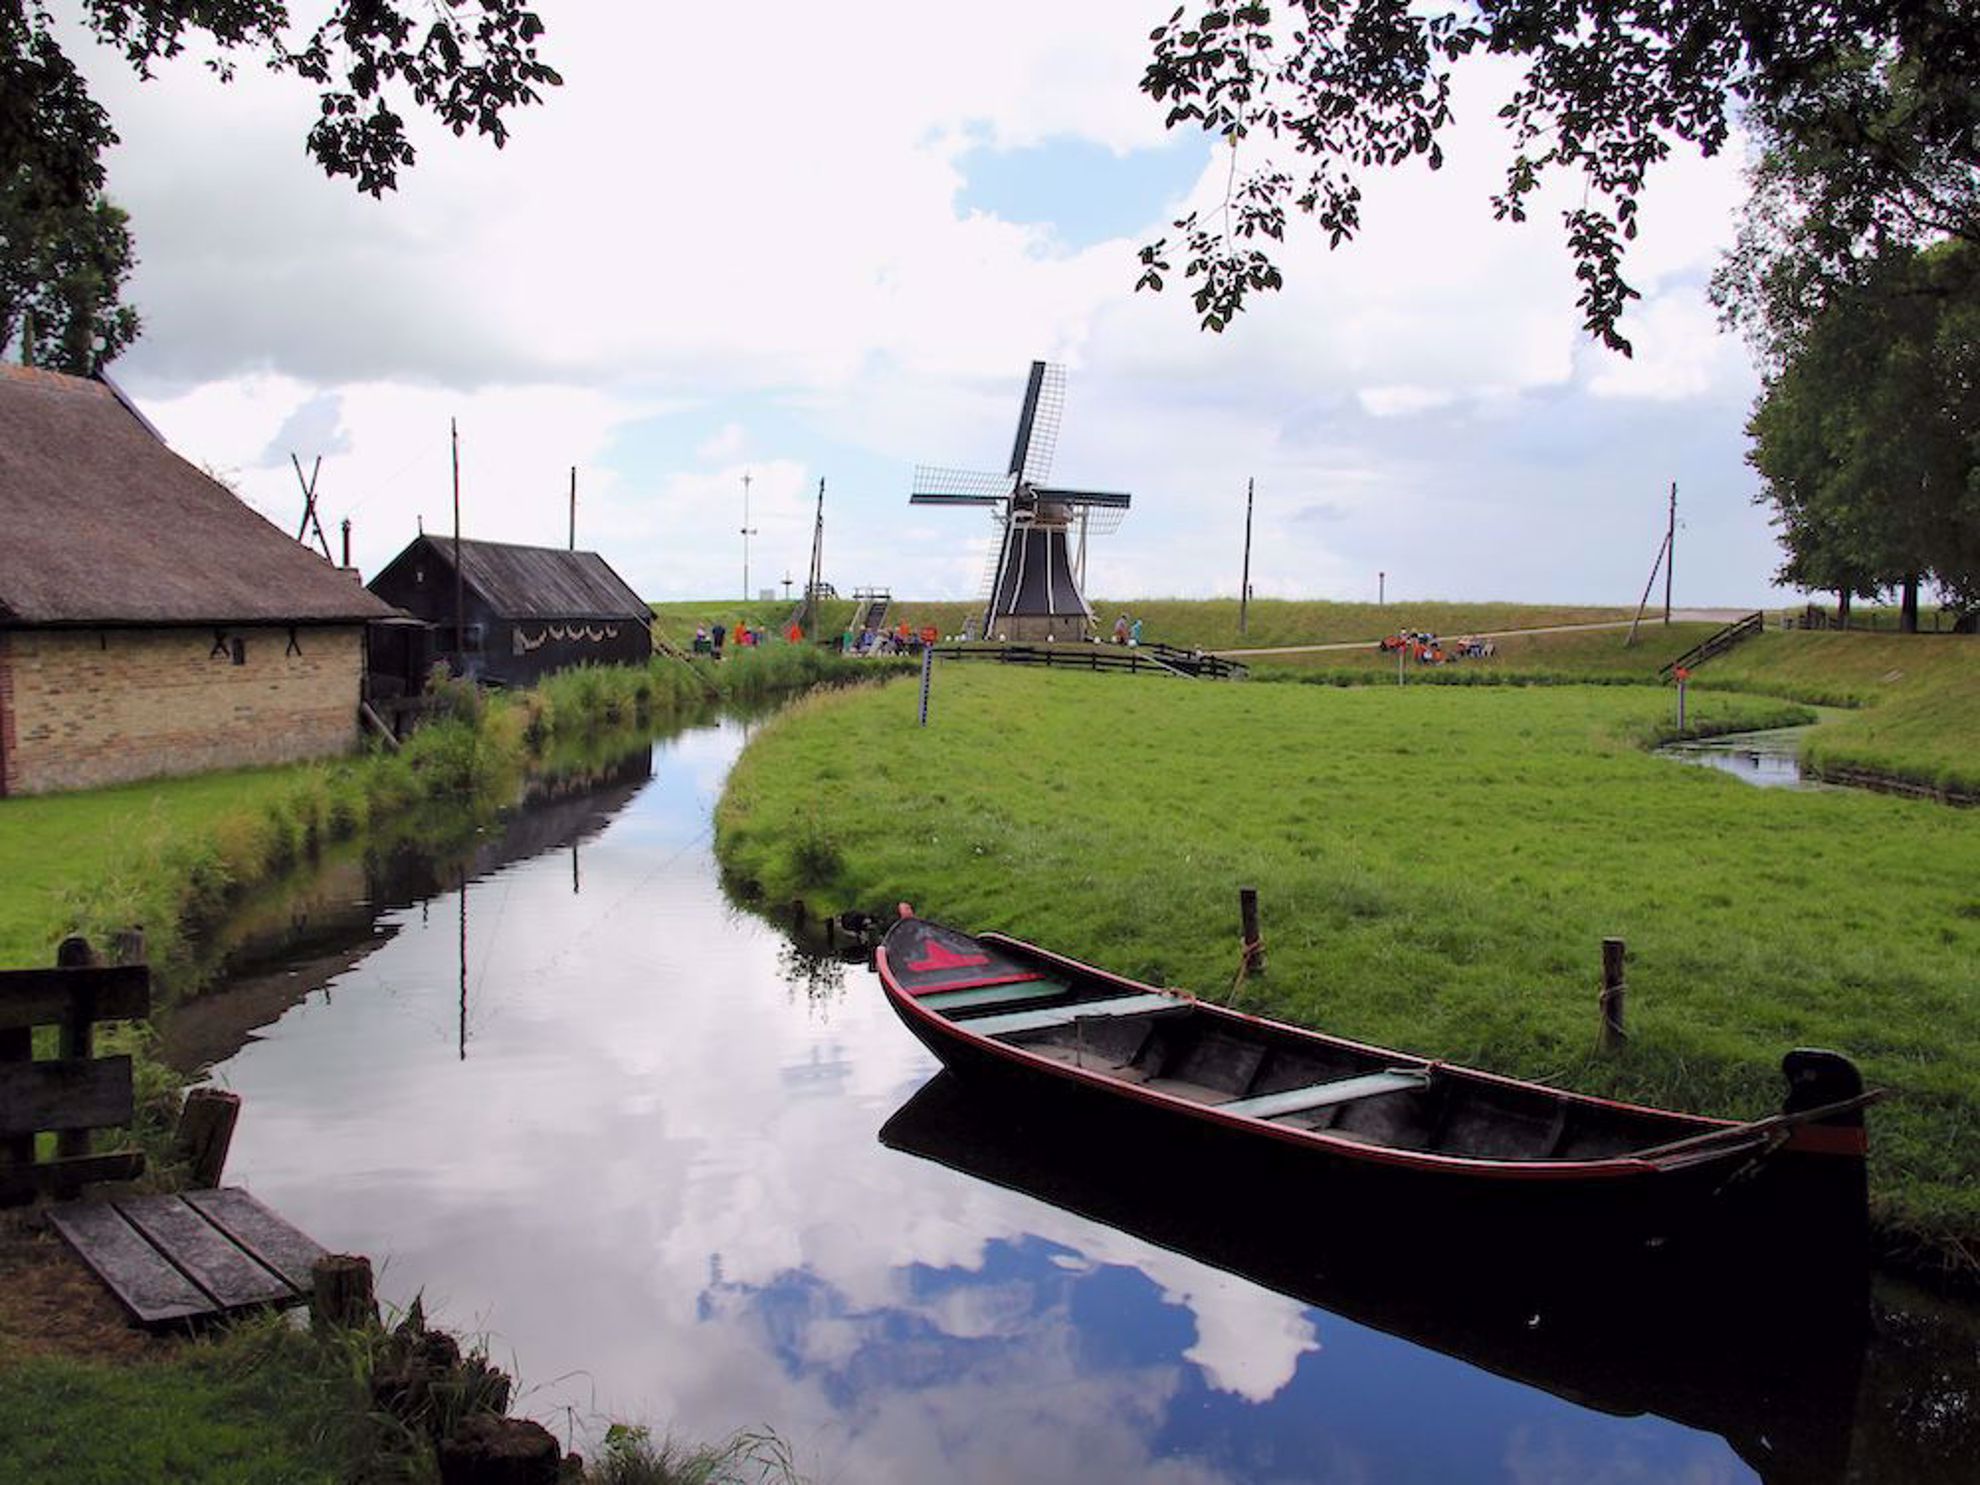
(192, 1256)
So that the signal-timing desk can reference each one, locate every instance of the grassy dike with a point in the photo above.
(1437, 867)
(263, 1402)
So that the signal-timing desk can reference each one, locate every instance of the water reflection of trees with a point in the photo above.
(820, 976)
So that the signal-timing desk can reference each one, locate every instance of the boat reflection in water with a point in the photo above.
(1771, 1365)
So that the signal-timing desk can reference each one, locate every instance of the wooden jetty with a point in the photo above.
(192, 1256)
(169, 1258)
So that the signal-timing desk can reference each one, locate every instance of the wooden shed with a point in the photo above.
(150, 623)
(525, 611)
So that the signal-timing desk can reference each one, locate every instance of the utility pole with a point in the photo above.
(817, 578)
(573, 546)
(1670, 550)
(1381, 589)
(460, 623)
(747, 532)
(1244, 587)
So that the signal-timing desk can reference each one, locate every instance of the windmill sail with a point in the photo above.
(1034, 591)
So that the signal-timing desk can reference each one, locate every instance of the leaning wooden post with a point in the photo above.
(1254, 946)
(78, 1034)
(1614, 1035)
(206, 1129)
(340, 1293)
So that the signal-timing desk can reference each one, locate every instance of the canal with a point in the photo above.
(672, 1169)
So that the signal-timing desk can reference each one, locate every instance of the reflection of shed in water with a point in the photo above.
(1772, 1370)
(525, 612)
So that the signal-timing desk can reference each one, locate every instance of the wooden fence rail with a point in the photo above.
(75, 1091)
(1135, 659)
(1716, 644)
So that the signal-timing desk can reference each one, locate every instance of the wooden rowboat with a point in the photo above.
(1377, 1122)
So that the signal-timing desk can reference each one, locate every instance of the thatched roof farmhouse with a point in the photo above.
(150, 623)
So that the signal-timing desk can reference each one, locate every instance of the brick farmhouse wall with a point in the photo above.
(81, 708)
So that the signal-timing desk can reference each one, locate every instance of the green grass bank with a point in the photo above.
(1915, 700)
(1438, 866)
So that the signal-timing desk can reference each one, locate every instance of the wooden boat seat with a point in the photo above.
(1007, 992)
(1320, 1095)
(1065, 1015)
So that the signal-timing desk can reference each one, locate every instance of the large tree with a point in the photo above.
(1314, 96)
(464, 62)
(62, 271)
(1867, 435)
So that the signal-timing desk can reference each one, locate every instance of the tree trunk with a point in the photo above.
(1908, 621)
(1842, 608)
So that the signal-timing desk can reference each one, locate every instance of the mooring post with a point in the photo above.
(1254, 946)
(340, 1295)
(206, 1130)
(1614, 1035)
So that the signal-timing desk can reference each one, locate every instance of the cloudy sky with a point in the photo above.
(827, 244)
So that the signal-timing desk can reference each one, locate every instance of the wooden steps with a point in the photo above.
(192, 1256)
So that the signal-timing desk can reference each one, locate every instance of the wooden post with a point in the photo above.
(206, 1129)
(1613, 1034)
(340, 1293)
(78, 1035)
(128, 947)
(1254, 946)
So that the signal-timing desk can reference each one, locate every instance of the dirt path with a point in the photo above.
(1678, 616)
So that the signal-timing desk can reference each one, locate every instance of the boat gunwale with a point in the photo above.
(1607, 1169)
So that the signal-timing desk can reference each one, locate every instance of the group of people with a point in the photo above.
(1127, 631)
(709, 639)
(1428, 649)
(900, 640)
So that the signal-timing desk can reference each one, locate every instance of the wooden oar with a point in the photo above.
(1759, 1128)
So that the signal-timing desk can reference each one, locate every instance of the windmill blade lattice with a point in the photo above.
(1045, 419)
(935, 485)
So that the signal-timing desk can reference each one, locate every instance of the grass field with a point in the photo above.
(1438, 866)
(53, 844)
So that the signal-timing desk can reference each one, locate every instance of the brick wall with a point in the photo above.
(85, 707)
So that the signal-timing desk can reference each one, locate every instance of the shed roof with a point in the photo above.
(520, 582)
(101, 523)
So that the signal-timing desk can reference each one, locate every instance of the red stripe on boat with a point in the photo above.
(940, 956)
(1830, 1139)
(979, 983)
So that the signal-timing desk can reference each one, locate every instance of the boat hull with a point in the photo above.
(1785, 1204)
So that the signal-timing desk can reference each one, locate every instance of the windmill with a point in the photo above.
(1032, 588)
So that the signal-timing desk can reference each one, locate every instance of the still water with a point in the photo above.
(1769, 759)
(676, 1171)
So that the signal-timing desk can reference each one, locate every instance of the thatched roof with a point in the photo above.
(102, 524)
(528, 582)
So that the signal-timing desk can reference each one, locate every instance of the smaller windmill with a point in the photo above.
(1032, 589)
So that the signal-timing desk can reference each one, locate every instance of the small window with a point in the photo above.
(240, 650)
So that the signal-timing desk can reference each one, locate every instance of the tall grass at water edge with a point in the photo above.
(1438, 868)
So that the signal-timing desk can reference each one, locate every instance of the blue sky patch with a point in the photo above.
(1084, 191)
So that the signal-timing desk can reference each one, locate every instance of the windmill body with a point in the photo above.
(1033, 588)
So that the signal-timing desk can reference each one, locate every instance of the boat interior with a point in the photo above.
(1174, 1045)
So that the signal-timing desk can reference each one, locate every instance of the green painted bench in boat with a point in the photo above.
(1062, 1015)
(1319, 1095)
(1011, 992)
